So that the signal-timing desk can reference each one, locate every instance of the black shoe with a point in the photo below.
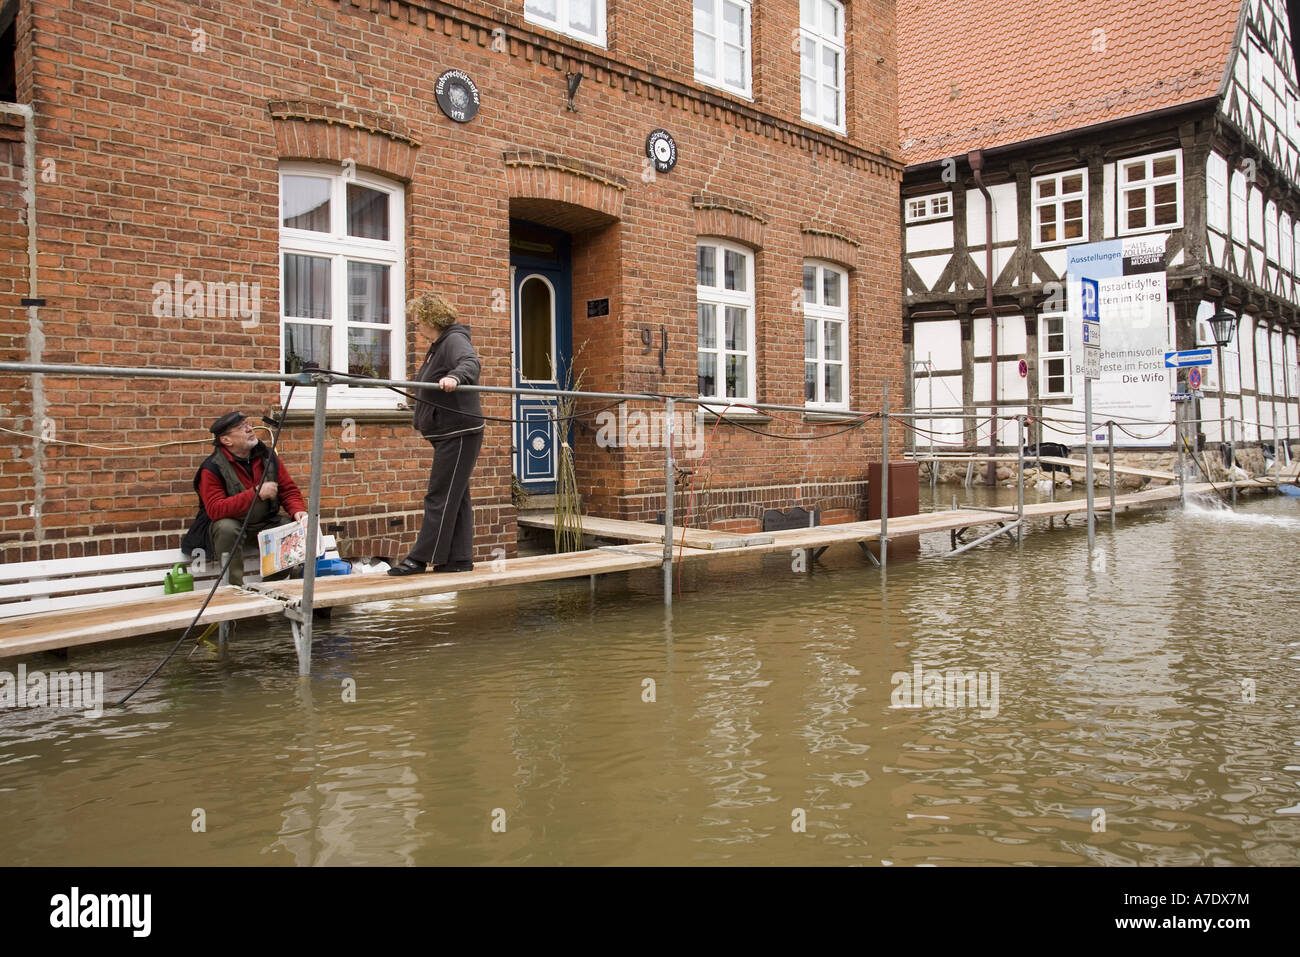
(407, 566)
(455, 567)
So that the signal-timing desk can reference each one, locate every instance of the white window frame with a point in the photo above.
(340, 248)
(1270, 232)
(722, 298)
(1123, 187)
(820, 313)
(1044, 355)
(560, 23)
(1058, 201)
(745, 89)
(812, 30)
(1239, 208)
(936, 206)
(1216, 192)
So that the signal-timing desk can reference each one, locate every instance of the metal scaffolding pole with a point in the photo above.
(669, 482)
(302, 633)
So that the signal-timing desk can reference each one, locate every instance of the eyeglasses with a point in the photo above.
(245, 426)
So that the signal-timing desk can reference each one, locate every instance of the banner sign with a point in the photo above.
(1131, 304)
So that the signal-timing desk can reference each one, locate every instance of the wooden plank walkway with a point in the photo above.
(63, 629)
(624, 531)
(46, 631)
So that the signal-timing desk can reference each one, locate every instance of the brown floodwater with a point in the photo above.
(1145, 714)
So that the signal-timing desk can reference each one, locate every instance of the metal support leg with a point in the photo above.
(224, 629)
(669, 481)
(302, 627)
(884, 478)
(1178, 438)
(1110, 454)
(1020, 477)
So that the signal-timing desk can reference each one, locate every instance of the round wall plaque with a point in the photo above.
(457, 95)
(662, 148)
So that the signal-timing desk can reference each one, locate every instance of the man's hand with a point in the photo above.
(300, 517)
(447, 384)
(269, 491)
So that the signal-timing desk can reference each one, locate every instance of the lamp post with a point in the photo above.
(1224, 323)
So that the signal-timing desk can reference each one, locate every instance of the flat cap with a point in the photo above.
(226, 423)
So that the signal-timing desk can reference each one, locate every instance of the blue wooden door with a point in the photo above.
(541, 307)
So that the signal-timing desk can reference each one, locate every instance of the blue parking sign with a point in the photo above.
(1090, 294)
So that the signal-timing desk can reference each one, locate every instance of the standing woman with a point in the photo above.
(453, 422)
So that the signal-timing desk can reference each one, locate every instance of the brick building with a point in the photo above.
(261, 186)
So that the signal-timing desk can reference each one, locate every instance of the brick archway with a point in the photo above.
(324, 132)
(562, 192)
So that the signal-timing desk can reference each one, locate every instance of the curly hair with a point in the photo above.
(431, 309)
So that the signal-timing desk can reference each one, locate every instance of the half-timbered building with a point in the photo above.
(1177, 123)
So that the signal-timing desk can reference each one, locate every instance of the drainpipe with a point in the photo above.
(35, 331)
(976, 160)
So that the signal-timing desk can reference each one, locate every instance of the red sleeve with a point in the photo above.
(290, 497)
(217, 503)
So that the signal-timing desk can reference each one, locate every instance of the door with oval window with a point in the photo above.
(542, 322)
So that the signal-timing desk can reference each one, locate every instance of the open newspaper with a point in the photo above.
(285, 546)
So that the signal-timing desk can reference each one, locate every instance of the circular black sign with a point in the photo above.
(662, 148)
(457, 95)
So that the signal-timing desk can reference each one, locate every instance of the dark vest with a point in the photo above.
(265, 511)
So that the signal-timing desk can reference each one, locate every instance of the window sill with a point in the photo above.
(823, 125)
(709, 414)
(743, 94)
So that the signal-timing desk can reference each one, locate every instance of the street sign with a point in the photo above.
(1189, 357)
(1091, 296)
(1091, 334)
(1091, 363)
(1181, 396)
(1023, 368)
(1194, 379)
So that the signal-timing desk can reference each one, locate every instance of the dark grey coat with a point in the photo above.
(444, 415)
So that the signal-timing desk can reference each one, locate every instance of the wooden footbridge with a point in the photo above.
(84, 626)
(644, 546)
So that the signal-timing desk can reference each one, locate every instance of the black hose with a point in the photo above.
(236, 551)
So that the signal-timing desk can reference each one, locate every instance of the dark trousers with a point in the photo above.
(447, 534)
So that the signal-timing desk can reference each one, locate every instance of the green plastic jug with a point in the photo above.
(178, 580)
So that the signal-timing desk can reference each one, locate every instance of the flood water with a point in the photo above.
(1145, 714)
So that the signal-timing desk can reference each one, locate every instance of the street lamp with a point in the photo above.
(1224, 324)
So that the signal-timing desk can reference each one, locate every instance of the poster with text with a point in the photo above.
(1134, 319)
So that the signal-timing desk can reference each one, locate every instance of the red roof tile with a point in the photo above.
(982, 73)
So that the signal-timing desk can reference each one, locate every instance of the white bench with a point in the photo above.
(65, 583)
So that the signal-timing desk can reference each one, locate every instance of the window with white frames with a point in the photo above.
(1263, 371)
(1284, 246)
(724, 275)
(825, 335)
(583, 19)
(1053, 357)
(1150, 192)
(1060, 208)
(722, 44)
(821, 62)
(1270, 231)
(1240, 229)
(1216, 192)
(341, 277)
(937, 206)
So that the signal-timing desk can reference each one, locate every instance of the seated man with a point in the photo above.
(225, 483)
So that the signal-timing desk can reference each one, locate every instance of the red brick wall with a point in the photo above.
(166, 160)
